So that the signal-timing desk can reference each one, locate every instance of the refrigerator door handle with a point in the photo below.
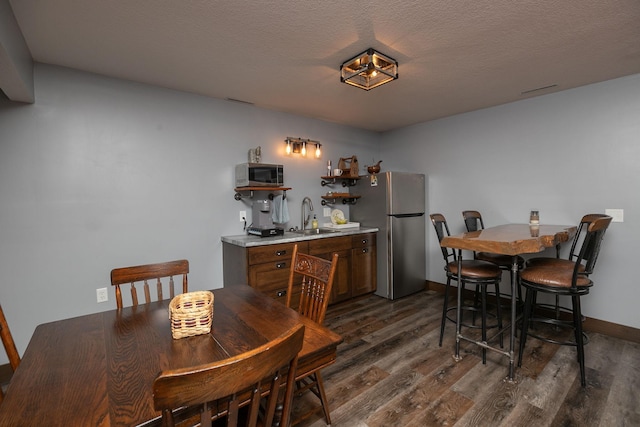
(411, 215)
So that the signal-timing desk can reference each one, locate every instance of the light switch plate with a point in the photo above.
(616, 214)
(326, 212)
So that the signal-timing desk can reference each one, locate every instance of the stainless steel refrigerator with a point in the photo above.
(395, 203)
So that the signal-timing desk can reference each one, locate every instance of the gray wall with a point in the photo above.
(565, 154)
(102, 173)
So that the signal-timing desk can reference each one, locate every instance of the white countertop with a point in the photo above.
(246, 241)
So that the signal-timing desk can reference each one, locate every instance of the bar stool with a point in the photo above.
(474, 272)
(560, 280)
(473, 222)
(569, 263)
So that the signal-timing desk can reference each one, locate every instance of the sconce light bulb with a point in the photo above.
(318, 153)
(304, 149)
(288, 148)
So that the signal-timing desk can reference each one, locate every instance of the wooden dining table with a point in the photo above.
(508, 239)
(98, 369)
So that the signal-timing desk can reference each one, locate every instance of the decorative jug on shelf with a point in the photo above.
(374, 168)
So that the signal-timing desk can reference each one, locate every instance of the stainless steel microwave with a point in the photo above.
(259, 174)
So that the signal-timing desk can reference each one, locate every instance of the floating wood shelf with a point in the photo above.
(347, 180)
(240, 190)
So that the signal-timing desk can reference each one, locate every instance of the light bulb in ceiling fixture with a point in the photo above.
(371, 70)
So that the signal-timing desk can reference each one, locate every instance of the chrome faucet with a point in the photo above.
(304, 222)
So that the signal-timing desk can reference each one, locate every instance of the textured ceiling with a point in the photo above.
(454, 56)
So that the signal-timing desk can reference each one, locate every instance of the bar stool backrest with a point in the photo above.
(440, 224)
(591, 246)
(581, 232)
(473, 220)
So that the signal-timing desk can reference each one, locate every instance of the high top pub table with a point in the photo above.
(509, 239)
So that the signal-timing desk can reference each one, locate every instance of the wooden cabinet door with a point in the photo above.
(342, 280)
(363, 264)
(325, 248)
(363, 267)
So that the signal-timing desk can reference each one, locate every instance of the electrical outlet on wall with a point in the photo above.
(616, 214)
(243, 216)
(326, 212)
(102, 295)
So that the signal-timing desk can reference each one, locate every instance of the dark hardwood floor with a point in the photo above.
(391, 372)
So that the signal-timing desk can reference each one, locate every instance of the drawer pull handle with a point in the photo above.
(364, 241)
(365, 250)
(281, 293)
(281, 265)
(280, 253)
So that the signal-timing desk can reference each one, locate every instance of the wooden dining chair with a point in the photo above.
(149, 272)
(474, 272)
(9, 346)
(231, 382)
(559, 280)
(312, 278)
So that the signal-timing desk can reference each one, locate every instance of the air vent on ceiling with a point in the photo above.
(527, 92)
(239, 100)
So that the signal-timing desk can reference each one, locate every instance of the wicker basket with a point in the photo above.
(191, 314)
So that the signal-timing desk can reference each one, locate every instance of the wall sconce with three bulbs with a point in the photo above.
(299, 146)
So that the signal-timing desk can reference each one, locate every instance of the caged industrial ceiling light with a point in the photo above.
(369, 69)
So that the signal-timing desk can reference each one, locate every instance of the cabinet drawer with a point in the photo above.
(270, 276)
(363, 240)
(333, 244)
(262, 254)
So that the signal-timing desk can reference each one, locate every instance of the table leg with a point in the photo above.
(512, 329)
(457, 357)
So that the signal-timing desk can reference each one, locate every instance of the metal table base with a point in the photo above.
(512, 326)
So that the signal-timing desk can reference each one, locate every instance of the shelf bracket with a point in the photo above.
(346, 182)
(272, 196)
(345, 200)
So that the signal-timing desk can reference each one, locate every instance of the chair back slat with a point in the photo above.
(144, 273)
(316, 276)
(230, 382)
(9, 346)
(134, 295)
(172, 292)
